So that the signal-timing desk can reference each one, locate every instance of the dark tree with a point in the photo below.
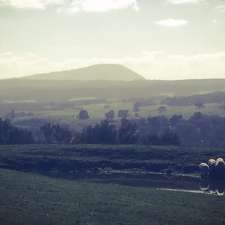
(56, 134)
(110, 115)
(102, 133)
(128, 133)
(136, 107)
(175, 119)
(83, 115)
(123, 113)
(162, 109)
(136, 114)
(199, 105)
(10, 134)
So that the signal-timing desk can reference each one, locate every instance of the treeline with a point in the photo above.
(215, 97)
(126, 132)
(198, 130)
(105, 132)
(10, 134)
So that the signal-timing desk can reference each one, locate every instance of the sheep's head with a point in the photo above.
(220, 163)
(203, 166)
(212, 162)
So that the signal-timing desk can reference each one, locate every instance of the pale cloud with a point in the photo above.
(172, 22)
(153, 64)
(178, 2)
(221, 8)
(12, 64)
(73, 5)
(31, 4)
(179, 66)
(98, 6)
(104, 5)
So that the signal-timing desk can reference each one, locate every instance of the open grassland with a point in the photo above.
(97, 111)
(32, 199)
(68, 111)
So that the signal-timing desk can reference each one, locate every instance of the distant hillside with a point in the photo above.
(63, 90)
(104, 72)
(215, 97)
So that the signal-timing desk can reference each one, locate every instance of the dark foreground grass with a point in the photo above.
(27, 199)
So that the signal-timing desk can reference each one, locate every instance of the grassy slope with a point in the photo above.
(31, 199)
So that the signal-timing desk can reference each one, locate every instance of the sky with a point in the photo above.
(160, 39)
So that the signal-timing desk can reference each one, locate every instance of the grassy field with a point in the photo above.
(68, 111)
(32, 199)
(86, 199)
(97, 111)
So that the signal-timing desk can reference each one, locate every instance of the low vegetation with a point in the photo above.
(82, 160)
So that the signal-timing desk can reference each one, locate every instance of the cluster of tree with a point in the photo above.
(126, 132)
(198, 130)
(83, 115)
(55, 134)
(10, 134)
(110, 115)
(102, 133)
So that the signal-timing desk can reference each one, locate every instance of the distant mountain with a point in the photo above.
(103, 72)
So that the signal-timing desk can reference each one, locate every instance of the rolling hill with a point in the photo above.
(104, 72)
(100, 81)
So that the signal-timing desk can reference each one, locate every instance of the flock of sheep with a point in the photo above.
(214, 169)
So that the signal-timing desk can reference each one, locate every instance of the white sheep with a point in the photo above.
(211, 162)
(220, 162)
(220, 168)
(204, 168)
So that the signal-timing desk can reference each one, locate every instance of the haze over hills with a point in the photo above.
(104, 72)
(63, 90)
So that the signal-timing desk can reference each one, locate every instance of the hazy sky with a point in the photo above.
(161, 39)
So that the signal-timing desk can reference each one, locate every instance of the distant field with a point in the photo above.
(186, 111)
(32, 199)
(61, 101)
(97, 112)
